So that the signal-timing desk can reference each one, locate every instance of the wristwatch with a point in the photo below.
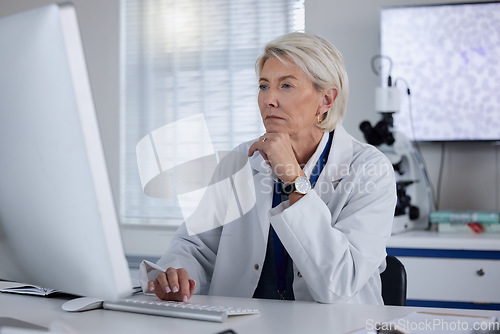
(301, 185)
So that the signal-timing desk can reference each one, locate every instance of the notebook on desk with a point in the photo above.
(29, 289)
(433, 322)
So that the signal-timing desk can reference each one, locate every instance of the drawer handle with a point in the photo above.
(480, 272)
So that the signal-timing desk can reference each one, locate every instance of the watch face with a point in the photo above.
(302, 185)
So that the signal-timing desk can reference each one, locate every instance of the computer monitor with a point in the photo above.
(58, 223)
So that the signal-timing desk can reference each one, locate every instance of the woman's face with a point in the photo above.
(287, 99)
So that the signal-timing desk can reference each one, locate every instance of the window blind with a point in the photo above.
(181, 58)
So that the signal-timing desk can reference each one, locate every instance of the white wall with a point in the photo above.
(471, 175)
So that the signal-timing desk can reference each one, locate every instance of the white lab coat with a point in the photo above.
(336, 234)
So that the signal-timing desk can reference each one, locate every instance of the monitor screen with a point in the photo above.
(58, 224)
(449, 56)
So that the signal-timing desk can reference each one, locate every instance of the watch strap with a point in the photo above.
(288, 189)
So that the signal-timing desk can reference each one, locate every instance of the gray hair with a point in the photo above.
(320, 61)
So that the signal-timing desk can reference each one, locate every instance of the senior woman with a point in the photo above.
(324, 201)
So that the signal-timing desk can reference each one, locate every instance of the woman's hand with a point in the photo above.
(277, 151)
(173, 284)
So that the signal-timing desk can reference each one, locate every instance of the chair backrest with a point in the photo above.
(394, 282)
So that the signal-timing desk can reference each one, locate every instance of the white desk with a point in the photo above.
(275, 316)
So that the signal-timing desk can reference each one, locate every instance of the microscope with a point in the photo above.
(414, 194)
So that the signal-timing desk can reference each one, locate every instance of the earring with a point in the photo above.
(320, 119)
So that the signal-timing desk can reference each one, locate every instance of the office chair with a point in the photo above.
(394, 282)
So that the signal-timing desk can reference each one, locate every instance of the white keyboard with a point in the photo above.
(148, 304)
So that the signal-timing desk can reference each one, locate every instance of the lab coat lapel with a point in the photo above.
(337, 167)
(264, 182)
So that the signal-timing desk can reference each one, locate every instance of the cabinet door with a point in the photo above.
(460, 280)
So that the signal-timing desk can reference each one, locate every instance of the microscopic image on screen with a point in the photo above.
(449, 56)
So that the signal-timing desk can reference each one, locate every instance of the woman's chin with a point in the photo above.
(274, 128)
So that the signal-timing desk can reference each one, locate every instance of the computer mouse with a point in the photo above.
(82, 304)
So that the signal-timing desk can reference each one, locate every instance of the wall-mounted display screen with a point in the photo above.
(449, 56)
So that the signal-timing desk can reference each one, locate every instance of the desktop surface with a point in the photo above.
(275, 316)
